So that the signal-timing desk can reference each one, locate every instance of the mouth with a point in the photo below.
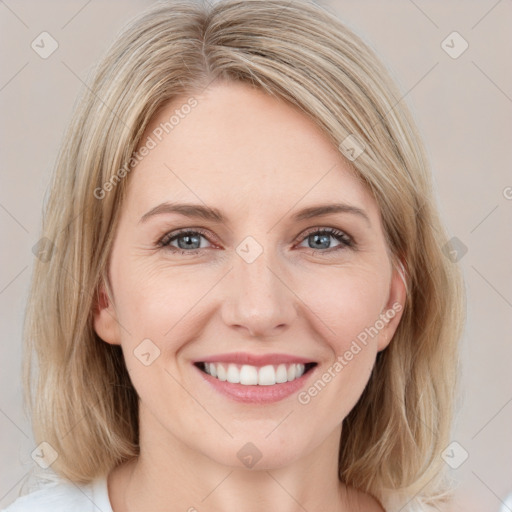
(255, 378)
(249, 375)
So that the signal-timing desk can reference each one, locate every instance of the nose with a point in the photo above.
(259, 300)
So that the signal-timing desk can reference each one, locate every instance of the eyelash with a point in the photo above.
(346, 241)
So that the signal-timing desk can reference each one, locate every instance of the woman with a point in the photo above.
(247, 302)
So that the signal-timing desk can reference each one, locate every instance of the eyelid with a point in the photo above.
(165, 240)
(334, 232)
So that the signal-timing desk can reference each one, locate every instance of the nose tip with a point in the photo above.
(258, 301)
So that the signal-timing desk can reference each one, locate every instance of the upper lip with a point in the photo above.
(255, 359)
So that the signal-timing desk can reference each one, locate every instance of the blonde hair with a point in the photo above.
(83, 403)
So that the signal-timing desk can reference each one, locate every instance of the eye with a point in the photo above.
(187, 241)
(320, 240)
(190, 241)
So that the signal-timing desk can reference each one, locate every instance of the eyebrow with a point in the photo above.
(215, 215)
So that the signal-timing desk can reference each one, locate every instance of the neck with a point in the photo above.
(168, 475)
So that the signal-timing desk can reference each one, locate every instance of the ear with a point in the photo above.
(393, 310)
(105, 317)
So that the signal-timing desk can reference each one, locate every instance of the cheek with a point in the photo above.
(347, 301)
(347, 304)
(152, 299)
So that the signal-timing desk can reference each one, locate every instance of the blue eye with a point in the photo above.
(188, 241)
(318, 239)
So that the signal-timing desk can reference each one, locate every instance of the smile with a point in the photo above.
(255, 378)
(249, 375)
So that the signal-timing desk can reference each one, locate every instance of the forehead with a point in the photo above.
(239, 146)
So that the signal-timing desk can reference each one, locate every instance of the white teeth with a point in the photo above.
(281, 374)
(221, 372)
(248, 375)
(266, 376)
(233, 374)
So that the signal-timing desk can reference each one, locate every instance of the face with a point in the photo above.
(276, 275)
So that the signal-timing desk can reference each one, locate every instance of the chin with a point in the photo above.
(255, 451)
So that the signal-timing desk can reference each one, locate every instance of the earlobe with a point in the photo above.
(104, 317)
(392, 312)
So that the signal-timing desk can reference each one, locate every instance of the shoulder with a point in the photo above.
(363, 502)
(61, 496)
(51, 497)
(367, 503)
(394, 502)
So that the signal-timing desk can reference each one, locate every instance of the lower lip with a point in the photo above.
(256, 394)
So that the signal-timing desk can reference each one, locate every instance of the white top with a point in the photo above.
(65, 496)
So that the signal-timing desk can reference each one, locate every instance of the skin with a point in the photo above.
(259, 161)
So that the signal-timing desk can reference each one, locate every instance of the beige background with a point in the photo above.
(463, 107)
